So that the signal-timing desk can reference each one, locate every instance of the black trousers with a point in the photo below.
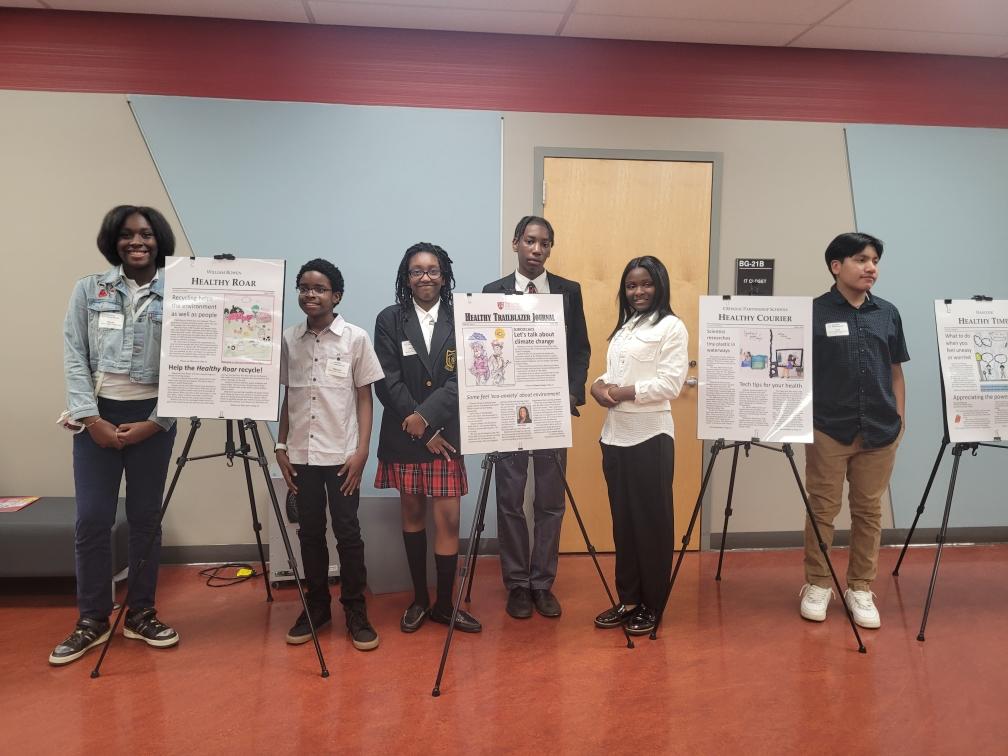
(316, 485)
(639, 479)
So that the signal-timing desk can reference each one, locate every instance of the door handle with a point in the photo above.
(691, 382)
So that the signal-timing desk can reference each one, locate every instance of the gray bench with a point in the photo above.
(38, 541)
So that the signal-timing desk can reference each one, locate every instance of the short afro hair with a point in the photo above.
(108, 234)
(327, 269)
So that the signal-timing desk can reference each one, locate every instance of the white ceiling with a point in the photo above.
(947, 27)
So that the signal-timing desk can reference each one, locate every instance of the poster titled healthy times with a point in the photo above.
(973, 348)
(512, 372)
(755, 369)
(220, 343)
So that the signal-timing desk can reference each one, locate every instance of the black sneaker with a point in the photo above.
(362, 633)
(301, 631)
(144, 625)
(88, 634)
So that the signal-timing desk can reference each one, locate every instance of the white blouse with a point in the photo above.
(652, 357)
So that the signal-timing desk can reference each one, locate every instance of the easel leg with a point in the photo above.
(957, 451)
(261, 458)
(469, 571)
(920, 508)
(256, 525)
(179, 464)
(588, 543)
(728, 510)
(789, 452)
(466, 583)
(717, 446)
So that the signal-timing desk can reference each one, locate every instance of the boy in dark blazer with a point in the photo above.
(529, 575)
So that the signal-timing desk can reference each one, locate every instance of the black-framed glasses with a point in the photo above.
(316, 290)
(416, 274)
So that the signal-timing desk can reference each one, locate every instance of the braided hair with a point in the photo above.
(532, 220)
(404, 295)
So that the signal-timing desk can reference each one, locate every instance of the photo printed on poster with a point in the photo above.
(973, 350)
(755, 369)
(221, 338)
(512, 372)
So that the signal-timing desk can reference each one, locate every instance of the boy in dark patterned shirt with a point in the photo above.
(858, 408)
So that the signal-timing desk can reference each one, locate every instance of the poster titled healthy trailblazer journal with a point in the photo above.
(512, 372)
(220, 342)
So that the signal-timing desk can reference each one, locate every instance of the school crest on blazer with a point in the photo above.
(449, 360)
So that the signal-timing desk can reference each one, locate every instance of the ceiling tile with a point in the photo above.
(764, 11)
(258, 10)
(844, 38)
(539, 6)
(446, 19)
(673, 30)
(966, 16)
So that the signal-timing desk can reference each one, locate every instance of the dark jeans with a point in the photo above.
(520, 566)
(98, 474)
(639, 479)
(316, 484)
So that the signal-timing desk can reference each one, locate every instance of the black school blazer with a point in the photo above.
(422, 382)
(578, 347)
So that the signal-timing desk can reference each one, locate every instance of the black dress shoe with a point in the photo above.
(545, 602)
(412, 618)
(519, 603)
(464, 622)
(614, 616)
(641, 622)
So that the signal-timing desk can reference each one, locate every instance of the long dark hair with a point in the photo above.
(660, 303)
(404, 295)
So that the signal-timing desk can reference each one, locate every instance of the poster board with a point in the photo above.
(755, 378)
(221, 337)
(973, 352)
(512, 372)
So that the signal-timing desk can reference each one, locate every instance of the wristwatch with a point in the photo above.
(280, 447)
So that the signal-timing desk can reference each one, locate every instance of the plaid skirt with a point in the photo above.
(440, 477)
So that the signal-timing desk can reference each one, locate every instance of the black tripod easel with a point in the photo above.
(475, 536)
(957, 451)
(243, 452)
(786, 449)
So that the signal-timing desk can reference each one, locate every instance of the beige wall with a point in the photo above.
(66, 159)
(785, 194)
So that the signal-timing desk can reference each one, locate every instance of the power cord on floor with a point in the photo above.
(242, 573)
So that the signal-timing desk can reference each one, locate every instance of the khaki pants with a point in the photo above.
(827, 463)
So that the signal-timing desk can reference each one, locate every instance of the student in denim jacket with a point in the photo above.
(111, 353)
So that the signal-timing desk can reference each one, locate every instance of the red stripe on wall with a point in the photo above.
(107, 52)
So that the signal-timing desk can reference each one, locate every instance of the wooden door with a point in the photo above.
(604, 213)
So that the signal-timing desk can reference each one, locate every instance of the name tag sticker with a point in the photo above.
(407, 349)
(837, 329)
(337, 368)
(111, 320)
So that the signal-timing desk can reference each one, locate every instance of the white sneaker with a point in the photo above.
(862, 607)
(815, 601)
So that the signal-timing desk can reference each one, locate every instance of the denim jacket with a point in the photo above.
(136, 349)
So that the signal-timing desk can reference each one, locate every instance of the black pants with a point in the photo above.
(316, 484)
(639, 479)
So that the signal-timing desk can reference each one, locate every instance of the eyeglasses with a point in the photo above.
(433, 274)
(316, 290)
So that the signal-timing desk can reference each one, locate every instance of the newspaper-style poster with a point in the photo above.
(221, 338)
(973, 350)
(512, 372)
(755, 380)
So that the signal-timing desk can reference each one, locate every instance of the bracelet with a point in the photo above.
(88, 425)
(280, 447)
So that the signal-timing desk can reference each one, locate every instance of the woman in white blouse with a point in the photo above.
(645, 369)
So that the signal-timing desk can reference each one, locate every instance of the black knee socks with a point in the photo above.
(416, 557)
(446, 568)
